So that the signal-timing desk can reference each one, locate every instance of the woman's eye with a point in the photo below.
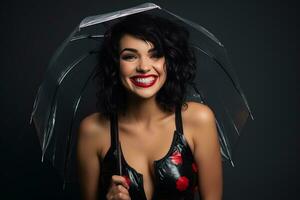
(155, 55)
(128, 57)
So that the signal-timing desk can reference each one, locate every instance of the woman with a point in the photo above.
(145, 66)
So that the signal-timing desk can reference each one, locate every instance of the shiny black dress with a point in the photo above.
(175, 173)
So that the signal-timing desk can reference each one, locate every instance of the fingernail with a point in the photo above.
(128, 181)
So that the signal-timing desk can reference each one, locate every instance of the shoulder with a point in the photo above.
(93, 130)
(198, 114)
(206, 151)
(91, 123)
(200, 123)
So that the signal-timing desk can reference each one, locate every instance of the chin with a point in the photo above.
(144, 95)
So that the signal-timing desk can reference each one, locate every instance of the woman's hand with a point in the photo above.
(118, 189)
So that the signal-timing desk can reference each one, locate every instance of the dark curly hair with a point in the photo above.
(169, 39)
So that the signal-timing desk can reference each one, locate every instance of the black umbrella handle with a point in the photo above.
(119, 159)
(116, 142)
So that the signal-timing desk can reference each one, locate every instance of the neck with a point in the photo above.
(143, 111)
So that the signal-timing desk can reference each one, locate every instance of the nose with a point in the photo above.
(144, 65)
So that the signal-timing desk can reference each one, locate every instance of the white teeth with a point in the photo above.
(144, 80)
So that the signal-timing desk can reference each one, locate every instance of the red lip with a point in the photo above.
(144, 76)
(141, 84)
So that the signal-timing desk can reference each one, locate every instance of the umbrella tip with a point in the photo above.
(232, 164)
(249, 110)
(151, 4)
(251, 115)
(31, 116)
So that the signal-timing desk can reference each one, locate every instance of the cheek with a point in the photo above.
(125, 69)
(164, 70)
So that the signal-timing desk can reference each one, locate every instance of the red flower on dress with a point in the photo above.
(194, 167)
(176, 158)
(182, 183)
(127, 179)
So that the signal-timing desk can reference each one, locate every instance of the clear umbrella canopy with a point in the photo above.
(68, 92)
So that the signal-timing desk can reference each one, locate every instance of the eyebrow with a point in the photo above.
(136, 51)
(129, 49)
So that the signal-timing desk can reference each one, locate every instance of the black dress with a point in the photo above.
(175, 173)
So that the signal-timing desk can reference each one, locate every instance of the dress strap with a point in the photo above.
(178, 119)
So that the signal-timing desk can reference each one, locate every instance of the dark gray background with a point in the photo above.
(262, 41)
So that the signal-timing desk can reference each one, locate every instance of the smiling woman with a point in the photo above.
(147, 38)
(169, 147)
(142, 71)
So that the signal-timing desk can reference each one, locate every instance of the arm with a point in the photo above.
(207, 154)
(89, 149)
(88, 160)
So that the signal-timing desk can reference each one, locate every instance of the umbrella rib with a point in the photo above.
(197, 27)
(224, 146)
(35, 103)
(235, 84)
(49, 129)
(69, 137)
(199, 93)
(81, 37)
(231, 121)
(61, 48)
(92, 20)
(37, 98)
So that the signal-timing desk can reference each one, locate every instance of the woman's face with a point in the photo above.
(142, 71)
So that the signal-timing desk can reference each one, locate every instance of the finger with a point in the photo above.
(116, 194)
(119, 180)
(121, 189)
(121, 196)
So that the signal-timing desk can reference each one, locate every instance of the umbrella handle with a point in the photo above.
(119, 159)
(115, 137)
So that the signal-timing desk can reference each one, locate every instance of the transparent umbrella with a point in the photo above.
(67, 93)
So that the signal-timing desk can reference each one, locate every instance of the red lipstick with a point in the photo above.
(144, 81)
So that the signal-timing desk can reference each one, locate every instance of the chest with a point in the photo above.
(174, 173)
(141, 148)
